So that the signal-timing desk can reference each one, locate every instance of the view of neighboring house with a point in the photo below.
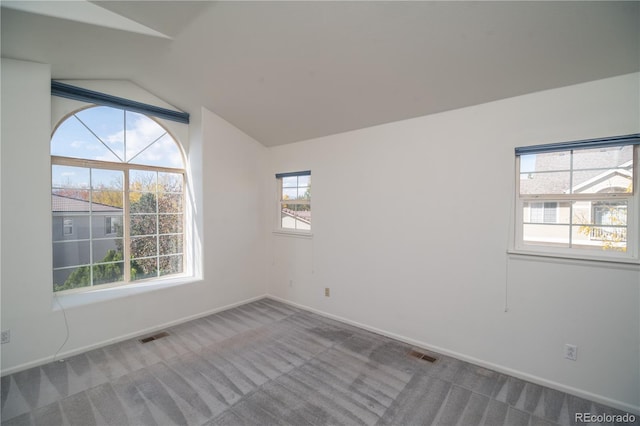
(296, 219)
(586, 223)
(75, 222)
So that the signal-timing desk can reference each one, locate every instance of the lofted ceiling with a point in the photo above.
(289, 71)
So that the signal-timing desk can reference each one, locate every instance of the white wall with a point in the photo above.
(226, 170)
(410, 230)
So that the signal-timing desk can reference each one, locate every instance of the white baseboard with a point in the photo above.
(482, 363)
(61, 356)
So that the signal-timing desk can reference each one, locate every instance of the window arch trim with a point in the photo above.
(167, 130)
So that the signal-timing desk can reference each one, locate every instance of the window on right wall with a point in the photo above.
(294, 201)
(579, 199)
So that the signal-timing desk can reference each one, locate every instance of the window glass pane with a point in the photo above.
(610, 213)
(290, 182)
(289, 193)
(141, 132)
(108, 273)
(170, 223)
(74, 227)
(71, 253)
(303, 218)
(71, 204)
(596, 225)
(304, 180)
(170, 244)
(171, 265)
(107, 201)
(551, 161)
(607, 182)
(64, 227)
(163, 153)
(295, 216)
(144, 268)
(108, 125)
(73, 139)
(107, 195)
(527, 163)
(304, 193)
(107, 250)
(143, 181)
(67, 227)
(142, 202)
(602, 158)
(143, 247)
(70, 200)
(66, 279)
(81, 227)
(602, 238)
(69, 177)
(537, 213)
(170, 182)
(547, 235)
(170, 203)
(545, 183)
(600, 213)
(588, 232)
(113, 226)
(143, 224)
(288, 216)
(550, 213)
(106, 179)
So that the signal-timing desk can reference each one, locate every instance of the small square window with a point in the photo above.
(111, 225)
(67, 227)
(543, 212)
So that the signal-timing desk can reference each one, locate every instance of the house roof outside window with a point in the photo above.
(61, 203)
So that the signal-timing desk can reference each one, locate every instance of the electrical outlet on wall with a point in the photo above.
(6, 336)
(327, 292)
(571, 352)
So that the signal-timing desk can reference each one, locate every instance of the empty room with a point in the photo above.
(171, 253)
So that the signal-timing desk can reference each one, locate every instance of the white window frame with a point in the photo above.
(126, 168)
(631, 254)
(280, 202)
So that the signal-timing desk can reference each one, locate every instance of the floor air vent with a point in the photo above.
(154, 337)
(422, 355)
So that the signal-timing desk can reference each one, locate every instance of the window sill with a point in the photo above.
(628, 263)
(295, 234)
(71, 299)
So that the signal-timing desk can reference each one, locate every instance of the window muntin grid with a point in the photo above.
(98, 181)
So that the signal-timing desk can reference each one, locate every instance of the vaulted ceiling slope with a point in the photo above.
(288, 71)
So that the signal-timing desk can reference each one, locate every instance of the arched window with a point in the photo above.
(117, 199)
